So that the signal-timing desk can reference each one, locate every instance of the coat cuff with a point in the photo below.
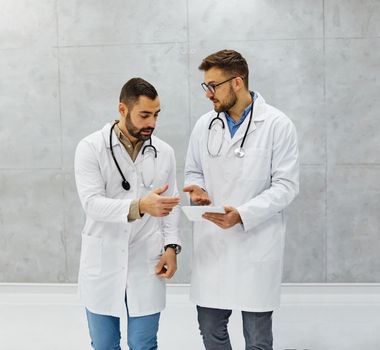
(134, 211)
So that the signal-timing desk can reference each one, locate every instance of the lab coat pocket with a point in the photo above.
(269, 240)
(155, 250)
(152, 265)
(257, 164)
(91, 256)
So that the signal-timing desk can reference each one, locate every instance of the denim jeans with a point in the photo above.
(257, 329)
(105, 331)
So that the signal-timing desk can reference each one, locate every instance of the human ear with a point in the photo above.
(123, 109)
(238, 83)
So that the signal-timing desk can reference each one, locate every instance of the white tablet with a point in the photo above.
(195, 212)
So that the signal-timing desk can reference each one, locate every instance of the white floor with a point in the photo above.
(312, 317)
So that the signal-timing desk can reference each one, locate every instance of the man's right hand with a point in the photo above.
(197, 195)
(156, 205)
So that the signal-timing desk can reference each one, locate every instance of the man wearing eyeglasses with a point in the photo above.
(242, 155)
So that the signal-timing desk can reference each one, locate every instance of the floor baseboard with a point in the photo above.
(311, 317)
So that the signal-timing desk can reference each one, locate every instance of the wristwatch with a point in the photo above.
(177, 248)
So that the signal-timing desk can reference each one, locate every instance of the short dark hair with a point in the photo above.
(134, 88)
(230, 61)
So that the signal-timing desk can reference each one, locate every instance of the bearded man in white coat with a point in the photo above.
(242, 155)
(126, 181)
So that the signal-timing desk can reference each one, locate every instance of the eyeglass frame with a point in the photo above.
(211, 87)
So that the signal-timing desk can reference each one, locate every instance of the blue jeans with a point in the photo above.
(105, 331)
(257, 329)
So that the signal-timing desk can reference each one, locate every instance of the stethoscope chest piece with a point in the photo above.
(126, 185)
(239, 152)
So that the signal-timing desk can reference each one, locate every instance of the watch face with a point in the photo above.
(176, 247)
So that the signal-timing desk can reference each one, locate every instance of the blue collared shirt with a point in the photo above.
(234, 126)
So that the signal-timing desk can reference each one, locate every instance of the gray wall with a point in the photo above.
(63, 63)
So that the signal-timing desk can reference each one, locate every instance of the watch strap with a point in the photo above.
(177, 248)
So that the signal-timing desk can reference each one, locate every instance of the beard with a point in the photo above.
(229, 102)
(136, 132)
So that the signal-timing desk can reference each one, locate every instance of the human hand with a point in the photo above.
(197, 195)
(156, 205)
(227, 220)
(167, 265)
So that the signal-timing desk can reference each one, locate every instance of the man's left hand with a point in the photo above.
(227, 220)
(167, 265)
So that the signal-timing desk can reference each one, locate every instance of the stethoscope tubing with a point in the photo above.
(125, 184)
(223, 127)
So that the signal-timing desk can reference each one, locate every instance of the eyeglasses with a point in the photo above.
(211, 87)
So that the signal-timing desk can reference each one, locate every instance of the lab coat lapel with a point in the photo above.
(258, 115)
(242, 129)
(118, 148)
(106, 135)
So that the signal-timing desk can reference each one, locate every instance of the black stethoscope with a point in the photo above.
(212, 129)
(125, 184)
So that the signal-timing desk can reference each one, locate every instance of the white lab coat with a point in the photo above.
(118, 258)
(240, 268)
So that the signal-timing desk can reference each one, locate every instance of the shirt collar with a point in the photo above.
(132, 150)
